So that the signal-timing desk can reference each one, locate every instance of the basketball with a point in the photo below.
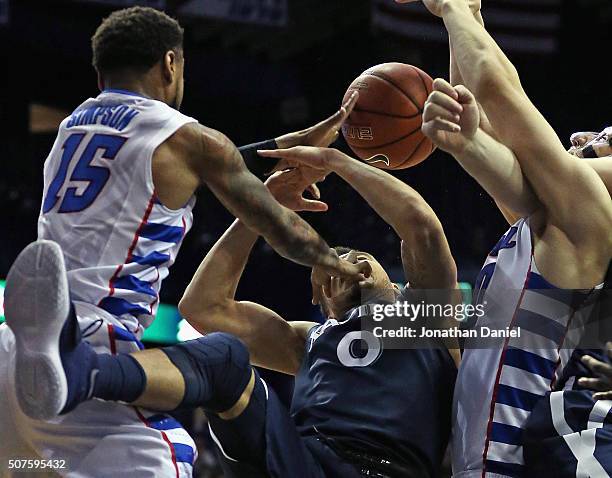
(384, 128)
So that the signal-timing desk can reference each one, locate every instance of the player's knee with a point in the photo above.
(216, 369)
(233, 346)
(227, 349)
(231, 374)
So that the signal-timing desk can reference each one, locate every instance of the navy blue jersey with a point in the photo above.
(393, 404)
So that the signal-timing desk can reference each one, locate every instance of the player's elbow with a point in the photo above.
(422, 235)
(202, 312)
(494, 79)
(188, 308)
(418, 219)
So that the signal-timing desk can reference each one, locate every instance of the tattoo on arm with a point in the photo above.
(224, 171)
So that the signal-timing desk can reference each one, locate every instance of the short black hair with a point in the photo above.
(134, 38)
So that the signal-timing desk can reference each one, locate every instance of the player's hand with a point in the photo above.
(321, 285)
(326, 132)
(321, 134)
(602, 382)
(321, 277)
(322, 159)
(288, 187)
(322, 274)
(450, 117)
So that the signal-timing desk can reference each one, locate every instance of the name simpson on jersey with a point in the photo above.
(115, 116)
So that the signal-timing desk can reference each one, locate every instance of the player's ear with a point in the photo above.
(169, 66)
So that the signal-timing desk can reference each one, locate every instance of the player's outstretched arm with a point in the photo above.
(216, 162)
(485, 125)
(398, 204)
(209, 302)
(451, 119)
(518, 124)
(426, 256)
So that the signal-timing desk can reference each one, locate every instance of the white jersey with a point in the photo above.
(99, 204)
(499, 383)
(96, 440)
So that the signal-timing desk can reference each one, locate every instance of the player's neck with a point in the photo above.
(132, 87)
(140, 86)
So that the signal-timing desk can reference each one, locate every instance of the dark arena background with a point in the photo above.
(258, 68)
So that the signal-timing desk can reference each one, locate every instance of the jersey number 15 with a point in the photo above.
(95, 176)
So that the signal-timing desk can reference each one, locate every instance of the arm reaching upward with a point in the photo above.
(248, 199)
(424, 242)
(519, 125)
(426, 256)
(197, 155)
(528, 203)
(451, 120)
(209, 302)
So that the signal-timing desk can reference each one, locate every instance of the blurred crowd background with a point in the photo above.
(258, 68)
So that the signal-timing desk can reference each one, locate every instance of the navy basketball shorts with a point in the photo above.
(264, 442)
(569, 435)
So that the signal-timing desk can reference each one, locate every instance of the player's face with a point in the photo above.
(591, 144)
(345, 294)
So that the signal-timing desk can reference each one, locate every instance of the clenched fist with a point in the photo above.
(451, 117)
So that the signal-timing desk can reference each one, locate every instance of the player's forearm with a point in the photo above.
(454, 71)
(497, 170)
(481, 64)
(410, 216)
(217, 277)
(457, 79)
(249, 200)
(259, 166)
(397, 203)
(291, 237)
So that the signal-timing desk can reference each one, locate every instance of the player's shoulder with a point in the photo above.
(201, 140)
(160, 115)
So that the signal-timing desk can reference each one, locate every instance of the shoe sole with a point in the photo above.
(36, 306)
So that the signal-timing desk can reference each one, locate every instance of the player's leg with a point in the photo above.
(253, 431)
(51, 370)
(214, 372)
(55, 370)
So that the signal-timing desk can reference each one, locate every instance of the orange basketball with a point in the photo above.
(384, 129)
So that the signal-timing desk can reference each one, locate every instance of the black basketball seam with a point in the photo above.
(359, 110)
(411, 154)
(423, 81)
(389, 144)
(391, 82)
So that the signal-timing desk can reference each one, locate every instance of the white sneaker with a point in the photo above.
(36, 306)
